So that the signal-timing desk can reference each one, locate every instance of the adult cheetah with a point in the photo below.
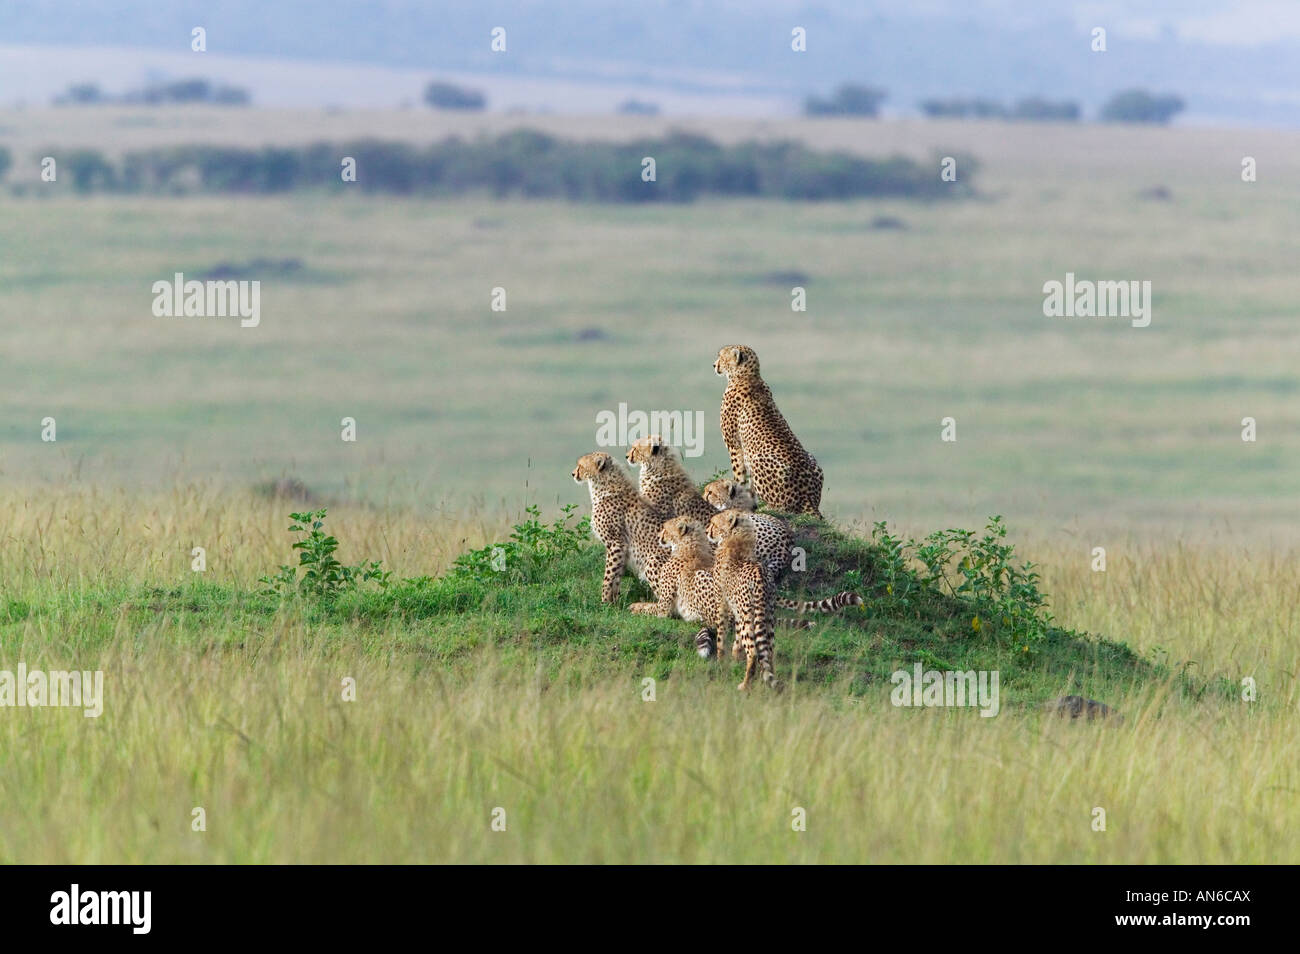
(625, 522)
(762, 446)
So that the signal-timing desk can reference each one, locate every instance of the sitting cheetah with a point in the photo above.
(773, 542)
(664, 481)
(625, 522)
(760, 442)
(686, 584)
(687, 589)
(746, 595)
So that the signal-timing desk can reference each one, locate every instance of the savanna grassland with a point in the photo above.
(526, 694)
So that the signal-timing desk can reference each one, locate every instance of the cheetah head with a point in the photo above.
(649, 451)
(729, 495)
(595, 467)
(727, 523)
(682, 531)
(736, 361)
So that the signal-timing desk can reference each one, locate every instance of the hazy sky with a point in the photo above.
(1233, 61)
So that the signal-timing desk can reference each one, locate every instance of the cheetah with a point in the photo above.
(686, 584)
(773, 540)
(762, 446)
(624, 521)
(664, 481)
(686, 587)
(747, 598)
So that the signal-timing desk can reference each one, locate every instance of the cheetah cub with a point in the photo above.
(747, 599)
(760, 442)
(664, 481)
(773, 540)
(686, 584)
(624, 521)
(687, 589)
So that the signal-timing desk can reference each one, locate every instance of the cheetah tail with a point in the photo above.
(831, 605)
(783, 622)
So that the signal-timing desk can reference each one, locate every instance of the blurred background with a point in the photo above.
(796, 146)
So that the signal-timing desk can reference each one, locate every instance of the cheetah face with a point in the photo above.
(648, 450)
(681, 531)
(727, 522)
(592, 466)
(736, 361)
(729, 495)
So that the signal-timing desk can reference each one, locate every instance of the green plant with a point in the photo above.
(323, 576)
(531, 547)
(987, 576)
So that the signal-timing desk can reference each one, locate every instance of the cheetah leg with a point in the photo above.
(765, 655)
(725, 621)
(751, 654)
(615, 562)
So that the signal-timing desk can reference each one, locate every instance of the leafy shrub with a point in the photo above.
(323, 577)
(531, 549)
(979, 569)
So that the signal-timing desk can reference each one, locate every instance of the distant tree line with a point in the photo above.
(442, 95)
(194, 90)
(521, 163)
(1131, 105)
(849, 99)
(1140, 106)
(1032, 108)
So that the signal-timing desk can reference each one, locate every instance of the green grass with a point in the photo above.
(521, 691)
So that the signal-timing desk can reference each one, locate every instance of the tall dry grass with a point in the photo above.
(250, 725)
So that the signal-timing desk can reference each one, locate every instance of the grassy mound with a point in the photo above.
(954, 601)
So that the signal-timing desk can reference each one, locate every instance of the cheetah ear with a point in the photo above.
(654, 447)
(681, 528)
(740, 356)
(602, 462)
(733, 491)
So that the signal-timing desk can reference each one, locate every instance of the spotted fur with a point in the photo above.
(762, 446)
(687, 588)
(624, 521)
(664, 481)
(746, 594)
(773, 540)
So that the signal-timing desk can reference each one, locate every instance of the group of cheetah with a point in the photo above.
(711, 557)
